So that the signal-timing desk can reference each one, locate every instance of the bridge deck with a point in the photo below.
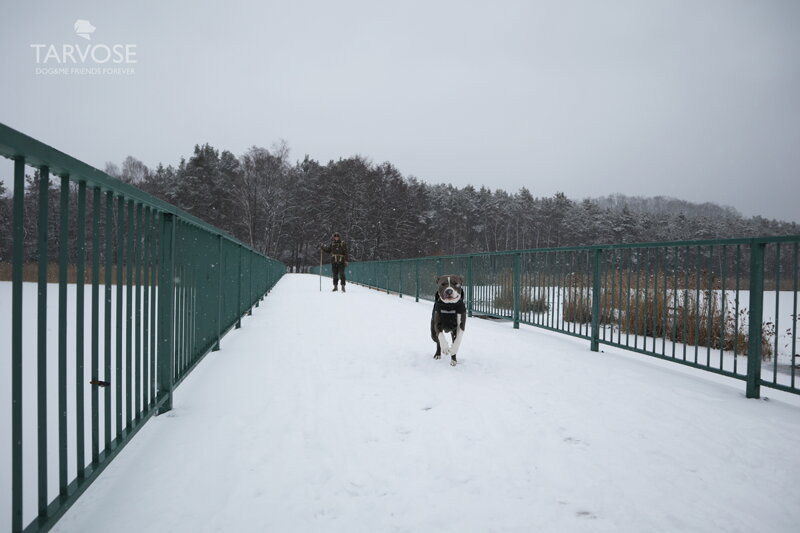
(326, 412)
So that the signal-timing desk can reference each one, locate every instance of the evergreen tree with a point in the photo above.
(287, 210)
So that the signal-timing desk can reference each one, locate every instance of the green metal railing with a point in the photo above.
(143, 291)
(726, 306)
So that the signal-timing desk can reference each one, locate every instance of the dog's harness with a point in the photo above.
(449, 313)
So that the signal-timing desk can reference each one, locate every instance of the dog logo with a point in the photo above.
(84, 29)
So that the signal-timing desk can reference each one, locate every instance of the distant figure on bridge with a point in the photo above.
(338, 250)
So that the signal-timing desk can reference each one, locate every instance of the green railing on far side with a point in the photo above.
(725, 306)
(144, 290)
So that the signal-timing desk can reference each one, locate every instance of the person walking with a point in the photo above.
(339, 259)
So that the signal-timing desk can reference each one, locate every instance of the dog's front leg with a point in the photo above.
(457, 340)
(443, 343)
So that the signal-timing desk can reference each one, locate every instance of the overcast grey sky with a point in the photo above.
(697, 99)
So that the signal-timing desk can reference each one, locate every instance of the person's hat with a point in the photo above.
(336, 234)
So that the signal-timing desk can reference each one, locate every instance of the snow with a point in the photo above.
(326, 412)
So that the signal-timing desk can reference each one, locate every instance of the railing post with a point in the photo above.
(16, 344)
(250, 284)
(756, 318)
(596, 279)
(63, 257)
(400, 278)
(515, 275)
(166, 310)
(80, 297)
(219, 293)
(469, 286)
(41, 378)
(239, 291)
(416, 261)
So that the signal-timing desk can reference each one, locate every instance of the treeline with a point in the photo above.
(286, 209)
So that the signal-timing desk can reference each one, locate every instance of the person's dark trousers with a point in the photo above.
(338, 273)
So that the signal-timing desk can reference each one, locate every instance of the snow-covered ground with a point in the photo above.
(326, 412)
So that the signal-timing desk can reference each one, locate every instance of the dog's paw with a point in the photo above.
(437, 356)
(446, 350)
(453, 361)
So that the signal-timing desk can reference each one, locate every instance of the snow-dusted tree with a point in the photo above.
(260, 193)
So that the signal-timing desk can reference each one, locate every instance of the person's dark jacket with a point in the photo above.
(338, 251)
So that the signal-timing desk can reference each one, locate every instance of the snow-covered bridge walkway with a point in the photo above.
(327, 413)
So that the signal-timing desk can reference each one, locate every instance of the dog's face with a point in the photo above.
(449, 288)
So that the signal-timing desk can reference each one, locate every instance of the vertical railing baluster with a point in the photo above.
(596, 289)
(723, 304)
(685, 302)
(776, 325)
(17, 260)
(610, 264)
(251, 297)
(177, 318)
(637, 294)
(80, 300)
(166, 311)
(95, 356)
(107, 347)
(756, 317)
(239, 290)
(155, 272)
(120, 256)
(710, 296)
(656, 264)
(218, 269)
(736, 301)
(137, 267)
(416, 283)
(516, 289)
(560, 287)
(63, 263)
(41, 370)
(400, 278)
(794, 354)
(675, 261)
(128, 262)
(583, 311)
(646, 297)
(697, 305)
(147, 266)
(628, 299)
(621, 269)
(664, 318)
(181, 315)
